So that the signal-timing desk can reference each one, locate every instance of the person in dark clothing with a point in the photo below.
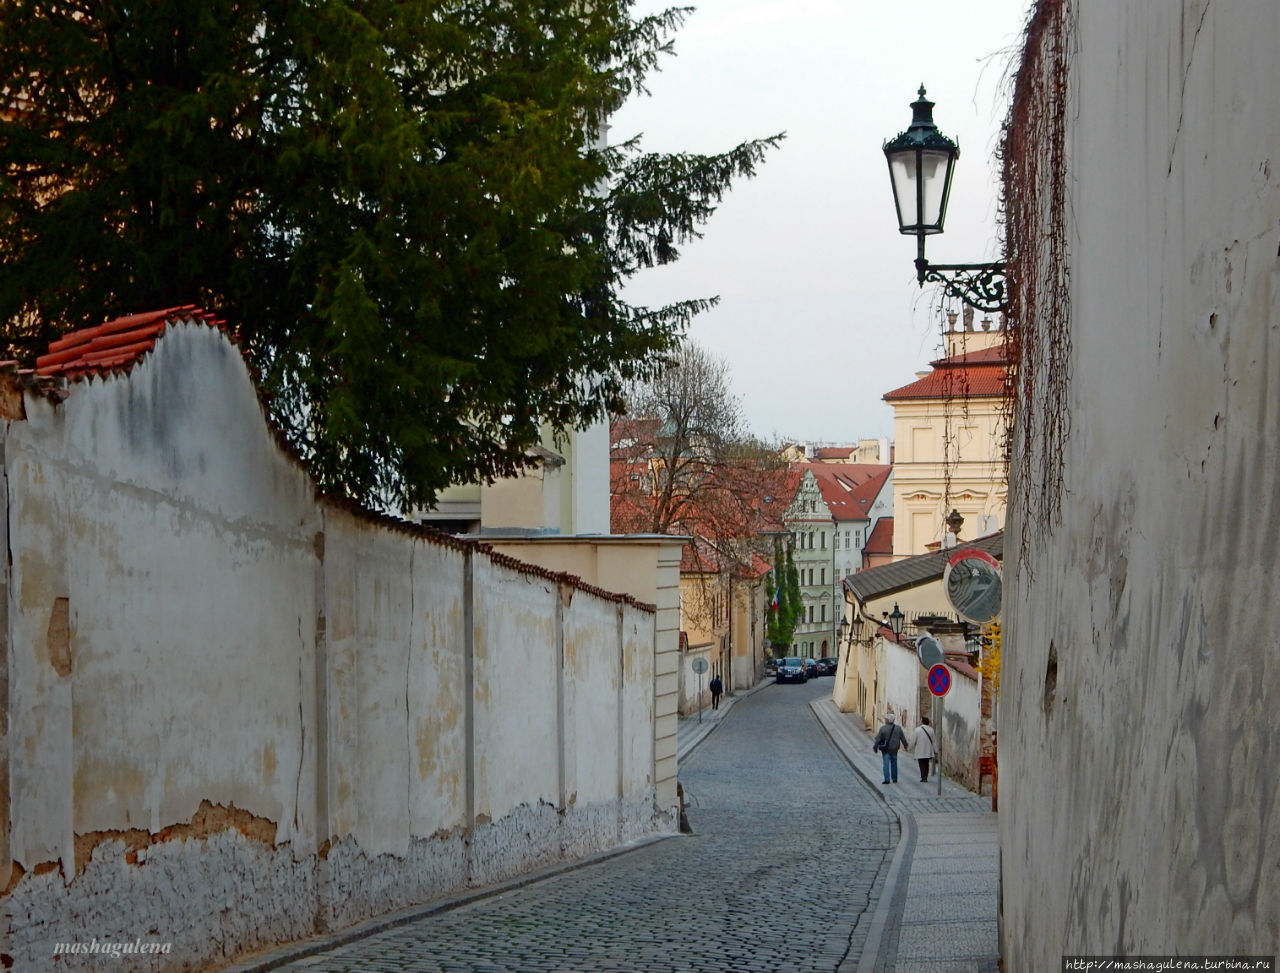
(717, 687)
(888, 742)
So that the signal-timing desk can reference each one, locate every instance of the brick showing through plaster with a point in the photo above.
(217, 894)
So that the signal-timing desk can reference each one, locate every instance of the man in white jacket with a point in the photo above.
(925, 746)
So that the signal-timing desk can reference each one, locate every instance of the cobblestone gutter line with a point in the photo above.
(276, 958)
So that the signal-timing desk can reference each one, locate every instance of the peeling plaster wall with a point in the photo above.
(1140, 810)
(241, 716)
(899, 683)
(648, 568)
(959, 724)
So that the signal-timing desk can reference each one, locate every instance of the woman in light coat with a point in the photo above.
(924, 744)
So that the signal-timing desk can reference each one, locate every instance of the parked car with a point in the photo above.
(791, 669)
(770, 667)
(827, 667)
(811, 668)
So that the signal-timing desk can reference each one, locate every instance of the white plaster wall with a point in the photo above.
(958, 719)
(647, 568)
(638, 705)
(593, 672)
(179, 537)
(899, 682)
(590, 472)
(516, 661)
(271, 716)
(1139, 810)
(694, 688)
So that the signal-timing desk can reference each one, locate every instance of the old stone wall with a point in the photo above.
(959, 723)
(1139, 810)
(241, 714)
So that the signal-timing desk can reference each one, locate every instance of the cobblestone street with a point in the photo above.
(780, 874)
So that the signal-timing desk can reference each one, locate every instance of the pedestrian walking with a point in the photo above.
(924, 745)
(717, 687)
(889, 741)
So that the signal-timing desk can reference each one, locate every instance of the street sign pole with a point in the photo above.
(939, 685)
(699, 666)
(937, 732)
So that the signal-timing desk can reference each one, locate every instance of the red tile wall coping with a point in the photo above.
(437, 536)
(960, 663)
(112, 348)
(116, 345)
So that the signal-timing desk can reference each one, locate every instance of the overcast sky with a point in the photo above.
(820, 313)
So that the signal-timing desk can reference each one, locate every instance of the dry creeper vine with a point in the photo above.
(989, 662)
(1037, 334)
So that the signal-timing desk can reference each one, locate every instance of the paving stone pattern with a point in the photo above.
(949, 919)
(781, 873)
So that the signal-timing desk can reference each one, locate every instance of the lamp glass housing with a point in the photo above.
(921, 188)
(921, 163)
(895, 620)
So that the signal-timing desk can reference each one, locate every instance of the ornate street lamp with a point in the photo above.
(921, 163)
(859, 623)
(894, 620)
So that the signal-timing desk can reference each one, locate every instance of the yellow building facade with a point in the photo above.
(950, 430)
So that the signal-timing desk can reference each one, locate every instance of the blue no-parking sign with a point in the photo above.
(939, 680)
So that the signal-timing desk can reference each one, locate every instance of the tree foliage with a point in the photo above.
(405, 208)
(781, 626)
(702, 474)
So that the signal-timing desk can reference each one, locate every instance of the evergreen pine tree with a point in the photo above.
(403, 207)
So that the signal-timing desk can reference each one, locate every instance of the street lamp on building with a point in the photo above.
(859, 623)
(921, 163)
(894, 620)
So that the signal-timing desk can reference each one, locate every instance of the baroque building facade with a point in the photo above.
(950, 428)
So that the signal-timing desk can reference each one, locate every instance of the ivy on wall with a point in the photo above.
(1038, 333)
(989, 662)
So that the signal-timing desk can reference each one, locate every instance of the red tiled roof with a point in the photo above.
(960, 663)
(630, 509)
(867, 491)
(994, 355)
(116, 344)
(848, 489)
(700, 556)
(834, 452)
(631, 433)
(880, 541)
(973, 375)
(772, 507)
(759, 566)
(973, 382)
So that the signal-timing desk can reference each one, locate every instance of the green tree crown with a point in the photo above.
(405, 208)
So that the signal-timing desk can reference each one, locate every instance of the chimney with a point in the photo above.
(968, 318)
